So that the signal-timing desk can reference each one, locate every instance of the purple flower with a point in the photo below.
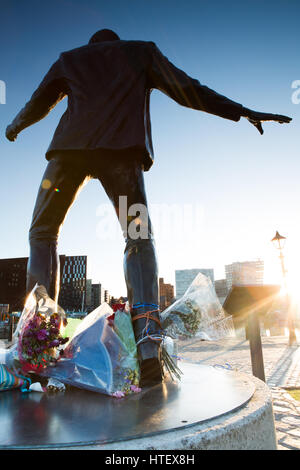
(35, 322)
(55, 321)
(54, 331)
(29, 352)
(42, 334)
(28, 333)
(54, 343)
(135, 389)
(118, 394)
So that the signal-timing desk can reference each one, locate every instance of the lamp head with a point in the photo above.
(278, 241)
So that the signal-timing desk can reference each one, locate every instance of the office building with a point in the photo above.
(13, 282)
(97, 295)
(185, 277)
(106, 297)
(245, 273)
(88, 294)
(166, 294)
(73, 283)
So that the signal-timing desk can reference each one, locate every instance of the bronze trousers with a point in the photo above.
(65, 174)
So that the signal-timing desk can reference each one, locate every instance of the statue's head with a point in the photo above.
(104, 35)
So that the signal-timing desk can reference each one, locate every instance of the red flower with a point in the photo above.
(117, 307)
(27, 367)
(111, 319)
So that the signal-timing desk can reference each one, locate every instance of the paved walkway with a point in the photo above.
(282, 371)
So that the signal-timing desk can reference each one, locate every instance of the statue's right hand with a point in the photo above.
(11, 133)
(256, 118)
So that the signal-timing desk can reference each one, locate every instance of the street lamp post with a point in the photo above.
(279, 242)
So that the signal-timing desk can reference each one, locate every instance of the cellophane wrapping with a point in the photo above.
(101, 356)
(198, 313)
(36, 340)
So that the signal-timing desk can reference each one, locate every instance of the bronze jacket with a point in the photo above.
(108, 85)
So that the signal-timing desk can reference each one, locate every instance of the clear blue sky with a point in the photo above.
(245, 186)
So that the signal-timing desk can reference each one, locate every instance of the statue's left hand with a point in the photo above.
(257, 118)
(11, 133)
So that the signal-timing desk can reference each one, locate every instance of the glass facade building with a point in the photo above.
(73, 283)
(184, 278)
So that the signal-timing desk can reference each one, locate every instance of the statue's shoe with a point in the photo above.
(149, 356)
(148, 336)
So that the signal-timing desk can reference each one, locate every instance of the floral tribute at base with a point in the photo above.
(198, 313)
(40, 342)
(101, 356)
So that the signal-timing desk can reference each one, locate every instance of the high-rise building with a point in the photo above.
(97, 295)
(88, 294)
(166, 294)
(73, 283)
(184, 278)
(245, 273)
(106, 296)
(13, 282)
(76, 292)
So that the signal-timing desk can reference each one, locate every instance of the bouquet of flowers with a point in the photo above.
(197, 313)
(101, 356)
(40, 342)
(38, 339)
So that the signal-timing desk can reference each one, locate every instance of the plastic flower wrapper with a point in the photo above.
(10, 357)
(96, 358)
(37, 341)
(122, 325)
(198, 313)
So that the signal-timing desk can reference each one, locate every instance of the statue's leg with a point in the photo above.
(59, 187)
(124, 184)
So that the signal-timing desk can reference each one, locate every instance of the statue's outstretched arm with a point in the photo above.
(47, 95)
(189, 92)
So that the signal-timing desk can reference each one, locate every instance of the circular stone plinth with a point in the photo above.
(83, 419)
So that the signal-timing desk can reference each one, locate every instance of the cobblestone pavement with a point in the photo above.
(282, 371)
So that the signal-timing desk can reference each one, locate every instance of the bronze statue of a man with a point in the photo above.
(105, 133)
